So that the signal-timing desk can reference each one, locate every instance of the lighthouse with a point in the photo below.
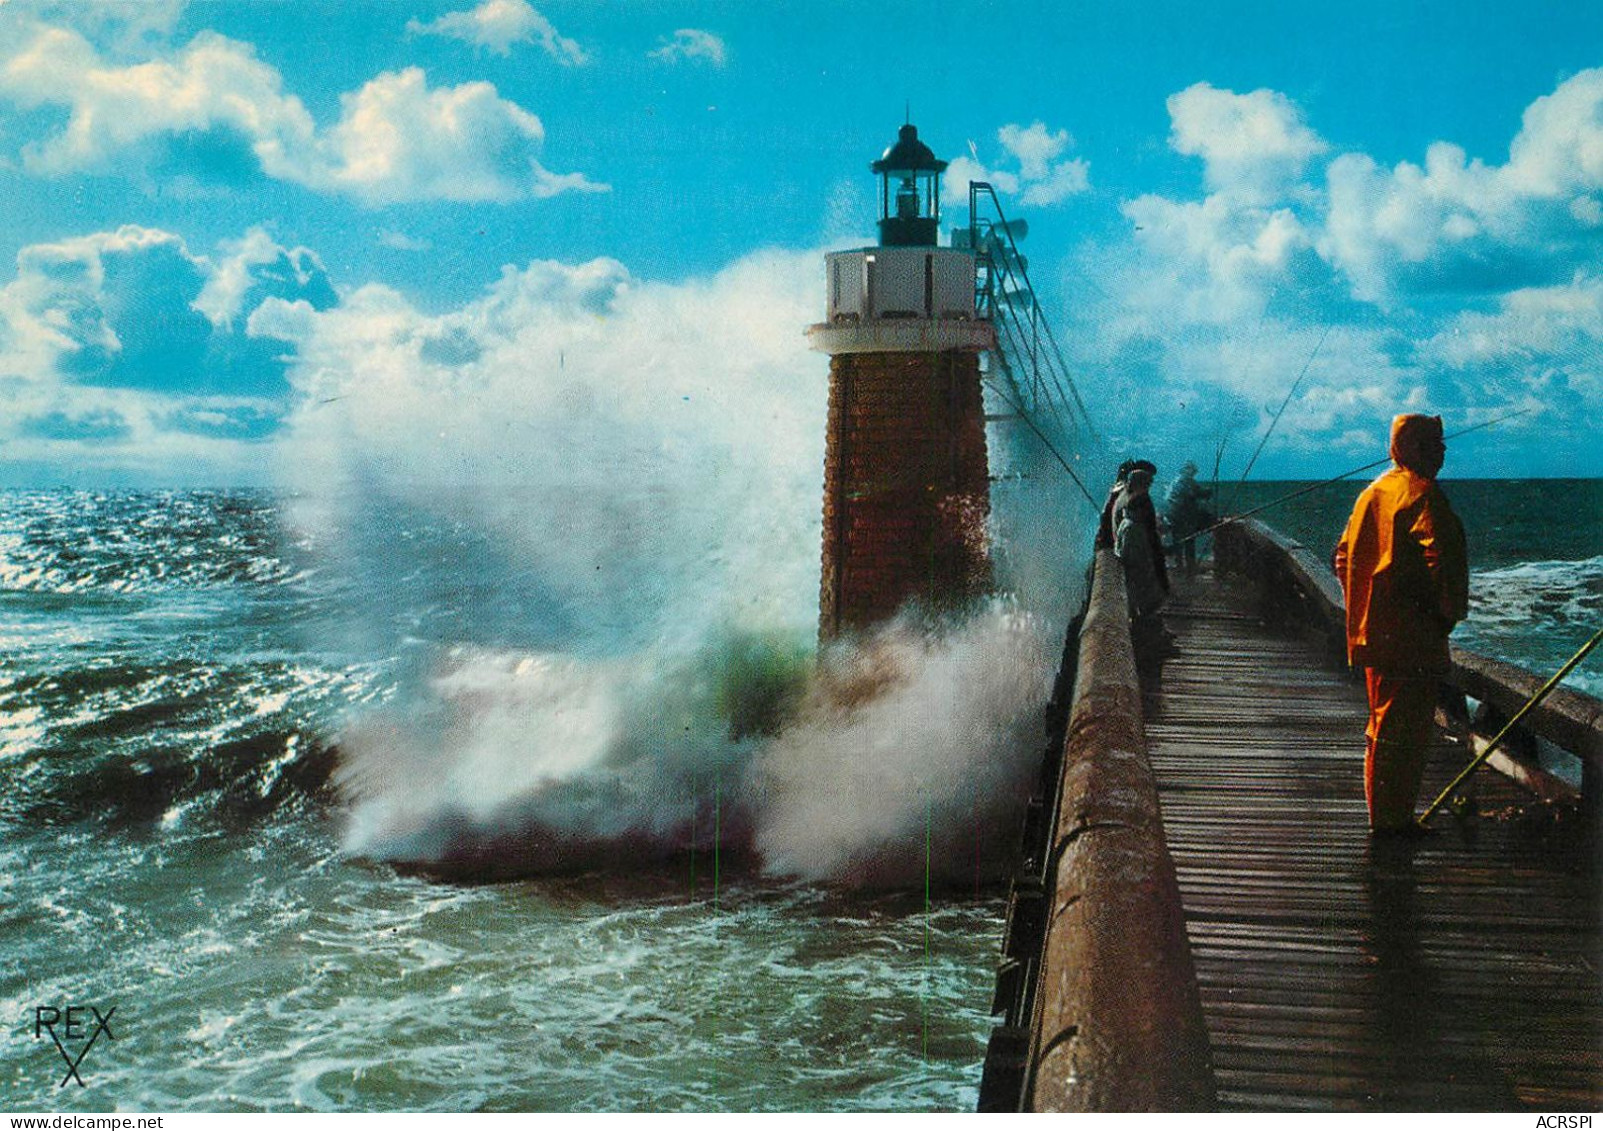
(906, 489)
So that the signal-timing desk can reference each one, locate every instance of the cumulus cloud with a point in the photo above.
(214, 109)
(1455, 224)
(1454, 285)
(398, 140)
(1249, 143)
(255, 267)
(1256, 228)
(213, 84)
(691, 45)
(1042, 177)
(1215, 259)
(128, 28)
(1539, 347)
(496, 25)
(127, 339)
(400, 241)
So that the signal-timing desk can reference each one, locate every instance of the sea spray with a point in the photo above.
(599, 500)
(908, 742)
(910, 739)
(642, 461)
(527, 764)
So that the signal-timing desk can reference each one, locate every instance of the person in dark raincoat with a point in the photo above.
(1139, 546)
(1182, 506)
(1104, 534)
(1405, 574)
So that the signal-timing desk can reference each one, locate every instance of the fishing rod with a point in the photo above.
(1301, 491)
(1475, 763)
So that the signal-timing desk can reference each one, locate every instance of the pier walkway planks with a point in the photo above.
(1459, 972)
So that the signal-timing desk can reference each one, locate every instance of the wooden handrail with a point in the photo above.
(1298, 583)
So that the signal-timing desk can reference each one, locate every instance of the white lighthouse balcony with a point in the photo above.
(901, 298)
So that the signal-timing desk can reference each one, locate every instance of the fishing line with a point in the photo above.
(1301, 491)
(1024, 416)
(1270, 431)
(1542, 693)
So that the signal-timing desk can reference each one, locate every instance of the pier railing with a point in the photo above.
(1105, 1015)
(1297, 586)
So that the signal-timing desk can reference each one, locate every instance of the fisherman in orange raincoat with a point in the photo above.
(1403, 568)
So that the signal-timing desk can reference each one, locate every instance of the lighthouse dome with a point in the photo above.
(908, 155)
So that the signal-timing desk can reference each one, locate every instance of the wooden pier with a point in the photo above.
(1459, 971)
(1456, 972)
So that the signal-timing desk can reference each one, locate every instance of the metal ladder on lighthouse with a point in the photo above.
(1026, 370)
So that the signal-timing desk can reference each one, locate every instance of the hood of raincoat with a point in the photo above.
(1416, 443)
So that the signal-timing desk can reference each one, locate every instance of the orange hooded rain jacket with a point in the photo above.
(1402, 562)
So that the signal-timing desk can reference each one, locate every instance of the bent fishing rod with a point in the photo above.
(1301, 491)
(1475, 763)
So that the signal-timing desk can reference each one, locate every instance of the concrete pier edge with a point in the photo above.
(1118, 1022)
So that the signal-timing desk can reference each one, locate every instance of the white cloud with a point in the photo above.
(136, 308)
(962, 171)
(1204, 320)
(397, 139)
(1453, 285)
(1249, 143)
(1036, 148)
(1538, 349)
(400, 241)
(1222, 258)
(498, 24)
(118, 356)
(1540, 326)
(1042, 178)
(1214, 257)
(693, 45)
(1046, 179)
(1065, 180)
(257, 265)
(1559, 149)
(56, 309)
(213, 83)
(1458, 224)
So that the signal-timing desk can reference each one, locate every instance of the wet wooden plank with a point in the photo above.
(1459, 972)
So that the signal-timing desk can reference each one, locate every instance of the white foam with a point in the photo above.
(647, 460)
(905, 757)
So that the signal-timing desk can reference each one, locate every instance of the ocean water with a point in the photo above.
(249, 783)
(252, 784)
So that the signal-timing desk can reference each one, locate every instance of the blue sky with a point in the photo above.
(236, 235)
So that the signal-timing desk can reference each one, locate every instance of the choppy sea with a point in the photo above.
(220, 794)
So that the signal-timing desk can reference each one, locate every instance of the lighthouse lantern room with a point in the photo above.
(910, 192)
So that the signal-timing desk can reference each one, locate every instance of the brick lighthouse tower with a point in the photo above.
(906, 493)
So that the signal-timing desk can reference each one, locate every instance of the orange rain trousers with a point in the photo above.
(1402, 710)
